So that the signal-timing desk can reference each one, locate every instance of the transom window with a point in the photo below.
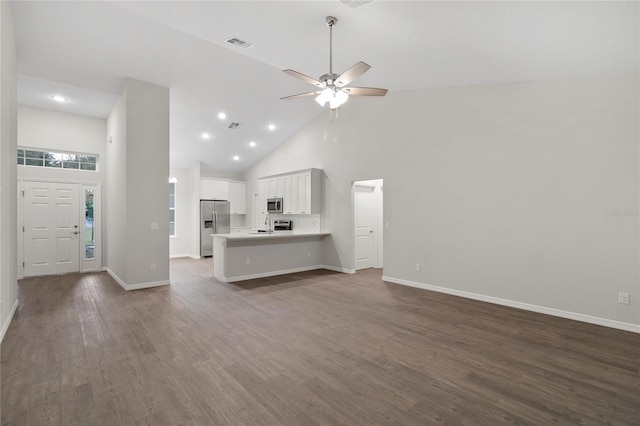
(59, 160)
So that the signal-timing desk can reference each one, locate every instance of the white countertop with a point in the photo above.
(266, 235)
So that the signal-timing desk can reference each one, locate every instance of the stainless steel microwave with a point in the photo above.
(274, 205)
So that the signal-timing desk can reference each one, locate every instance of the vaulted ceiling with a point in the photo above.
(85, 50)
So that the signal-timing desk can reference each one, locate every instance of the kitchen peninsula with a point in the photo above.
(240, 257)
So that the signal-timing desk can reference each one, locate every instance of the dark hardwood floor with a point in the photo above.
(303, 349)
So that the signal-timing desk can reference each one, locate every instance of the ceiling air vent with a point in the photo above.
(234, 125)
(355, 3)
(239, 43)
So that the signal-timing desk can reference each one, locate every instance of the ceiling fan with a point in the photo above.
(332, 87)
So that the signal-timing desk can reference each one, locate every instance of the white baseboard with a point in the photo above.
(175, 256)
(271, 273)
(139, 286)
(338, 269)
(6, 324)
(519, 305)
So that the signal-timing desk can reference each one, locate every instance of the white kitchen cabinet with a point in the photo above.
(262, 196)
(301, 191)
(238, 197)
(291, 195)
(275, 187)
(260, 208)
(304, 193)
(214, 189)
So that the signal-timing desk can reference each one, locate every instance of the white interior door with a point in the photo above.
(365, 208)
(51, 219)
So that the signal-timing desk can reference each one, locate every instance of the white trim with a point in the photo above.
(271, 273)
(152, 284)
(635, 328)
(338, 269)
(286, 271)
(139, 286)
(44, 179)
(5, 326)
(174, 256)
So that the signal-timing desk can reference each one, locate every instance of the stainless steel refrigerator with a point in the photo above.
(214, 219)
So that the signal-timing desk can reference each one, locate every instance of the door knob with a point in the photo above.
(75, 232)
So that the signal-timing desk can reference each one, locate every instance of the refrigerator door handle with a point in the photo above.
(215, 222)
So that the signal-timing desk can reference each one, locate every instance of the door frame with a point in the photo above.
(85, 265)
(378, 193)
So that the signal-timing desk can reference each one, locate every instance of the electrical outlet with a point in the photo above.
(153, 266)
(309, 254)
(154, 225)
(248, 261)
(418, 267)
(623, 298)
(387, 225)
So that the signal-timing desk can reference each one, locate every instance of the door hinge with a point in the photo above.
(23, 229)
(22, 192)
(23, 264)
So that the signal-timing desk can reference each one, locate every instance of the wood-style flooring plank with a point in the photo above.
(313, 348)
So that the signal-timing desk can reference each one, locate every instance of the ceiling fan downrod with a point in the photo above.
(331, 21)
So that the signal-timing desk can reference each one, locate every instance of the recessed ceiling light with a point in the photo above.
(252, 144)
(206, 136)
(271, 126)
(59, 98)
(236, 157)
(222, 115)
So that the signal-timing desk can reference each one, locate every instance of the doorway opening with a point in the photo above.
(368, 224)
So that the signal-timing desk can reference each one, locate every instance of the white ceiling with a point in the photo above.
(84, 50)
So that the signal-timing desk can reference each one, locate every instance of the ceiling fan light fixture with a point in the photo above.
(335, 97)
(339, 98)
(325, 96)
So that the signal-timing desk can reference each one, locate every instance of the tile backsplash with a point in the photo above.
(301, 222)
(238, 220)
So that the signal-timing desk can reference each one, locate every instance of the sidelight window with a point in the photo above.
(172, 207)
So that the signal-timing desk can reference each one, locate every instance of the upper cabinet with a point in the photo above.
(238, 197)
(214, 189)
(301, 191)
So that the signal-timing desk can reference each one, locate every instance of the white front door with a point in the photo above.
(365, 216)
(51, 228)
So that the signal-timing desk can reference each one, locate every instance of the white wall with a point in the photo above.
(57, 131)
(137, 186)
(52, 130)
(115, 197)
(8, 180)
(499, 191)
(219, 175)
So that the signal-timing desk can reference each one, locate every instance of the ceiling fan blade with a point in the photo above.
(352, 73)
(303, 77)
(300, 95)
(365, 91)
